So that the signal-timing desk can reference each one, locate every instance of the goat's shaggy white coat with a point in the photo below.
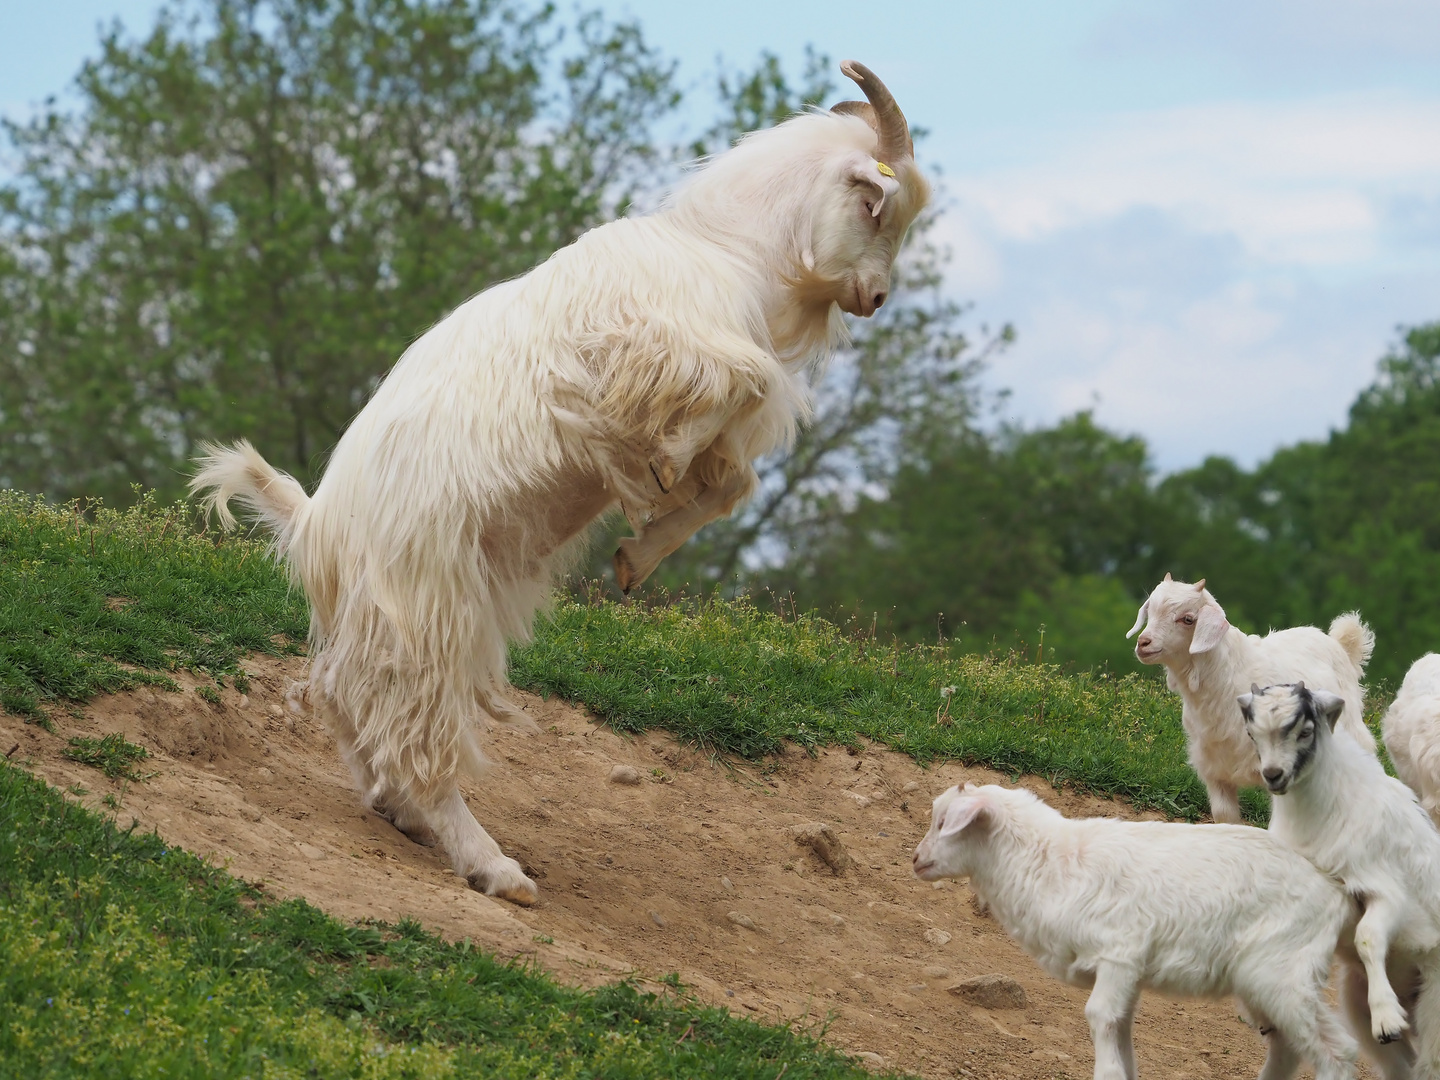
(1189, 910)
(1334, 804)
(1412, 731)
(645, 365)
(1208, 663)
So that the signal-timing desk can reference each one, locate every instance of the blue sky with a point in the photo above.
(1205, 220)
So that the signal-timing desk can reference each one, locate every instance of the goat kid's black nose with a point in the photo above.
(880, 300)
(1271, 775)
(1144, 643)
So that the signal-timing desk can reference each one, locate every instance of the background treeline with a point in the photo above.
(239, 218)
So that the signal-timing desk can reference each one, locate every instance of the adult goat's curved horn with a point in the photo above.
(886, 117)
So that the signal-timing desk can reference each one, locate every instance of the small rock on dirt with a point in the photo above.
(739, 918)
(657, 919)
(869, 1057)
(936, 936)
(821, 839)
(310, 851)
(912, 787)
(991, 992)
(625, 774)
(935, 971)
(728, 885)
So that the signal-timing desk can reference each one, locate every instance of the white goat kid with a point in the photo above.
(1208, 662)
(1412, 731)
(645, 366)
(1334, 804)
(1190, 910)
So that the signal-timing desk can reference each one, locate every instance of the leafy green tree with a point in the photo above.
(977, 535)
(256, 206)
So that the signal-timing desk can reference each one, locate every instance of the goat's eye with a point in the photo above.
(1188, 620)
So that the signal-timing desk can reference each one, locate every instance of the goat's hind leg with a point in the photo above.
(1111, 1013)
(1299, 1026)
(1427, 1022)
(475, 855)
(375, 794)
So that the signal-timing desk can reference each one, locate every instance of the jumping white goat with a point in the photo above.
(1208, 662)
(1335, 805)
(646, 365)
(1412, 731)
(1190, 910)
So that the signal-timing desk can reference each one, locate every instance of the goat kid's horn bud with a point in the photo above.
(888, 120)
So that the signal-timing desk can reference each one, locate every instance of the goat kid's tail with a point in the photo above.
(1357, 639)
(239, 472)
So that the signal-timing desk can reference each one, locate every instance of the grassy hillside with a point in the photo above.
(122, 958)
(100, 601)
(119, 957)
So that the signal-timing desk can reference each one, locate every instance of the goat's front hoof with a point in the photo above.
(664, 473)
(1388, 1023)
(505, 879)
(625, 574)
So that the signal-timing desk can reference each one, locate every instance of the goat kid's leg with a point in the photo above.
(1110, 1012)
(1427, 1022)
(1282, 1061)
(1224, 803)
(1372, 944)
(475, 856)
(1299, 1026)
(1395, 1060)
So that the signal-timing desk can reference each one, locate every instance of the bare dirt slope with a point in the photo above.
(694, 870)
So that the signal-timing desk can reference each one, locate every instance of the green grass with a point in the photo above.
(120, 957)
(94, 600)
(738, 680)
(112, 755)
(99, 600)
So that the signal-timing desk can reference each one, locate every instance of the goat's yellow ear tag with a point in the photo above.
(884, 169)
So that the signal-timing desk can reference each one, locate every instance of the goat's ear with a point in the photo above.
(1140, 618)
(1328, 705)
(1210, 628)
(1247, 706)
(961, 813)
(865, 170)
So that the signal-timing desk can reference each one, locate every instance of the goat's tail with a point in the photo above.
(1357, 639)
(239, 472)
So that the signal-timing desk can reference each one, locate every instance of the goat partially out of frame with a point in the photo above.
(645, 365)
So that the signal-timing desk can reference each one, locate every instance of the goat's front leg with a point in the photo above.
(1111, 1013)
(1224, 803)
(638, 556)
(1372, 944)
(1395, 1061)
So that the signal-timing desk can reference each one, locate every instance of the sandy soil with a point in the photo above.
(694, 870)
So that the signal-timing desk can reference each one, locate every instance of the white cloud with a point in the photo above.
(1219, 278)
(1303, 182)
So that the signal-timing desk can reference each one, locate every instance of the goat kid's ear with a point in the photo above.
(1329, 705)
(1210, 628)
(961, 813)
(1247, 706)
(863, 169)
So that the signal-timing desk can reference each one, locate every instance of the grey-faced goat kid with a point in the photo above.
(1335, 805)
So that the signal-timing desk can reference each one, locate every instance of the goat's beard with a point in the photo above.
(808, 326)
